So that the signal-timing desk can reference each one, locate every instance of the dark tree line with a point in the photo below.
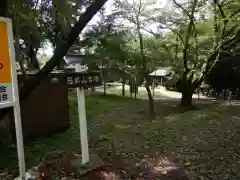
(224, 79)
(3, 8)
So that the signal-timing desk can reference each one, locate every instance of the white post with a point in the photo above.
(82, 121)
(17, 112)
(19, 137)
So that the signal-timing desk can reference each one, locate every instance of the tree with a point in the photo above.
(56, 19)
(224, 76)
(37, 22)
(124, 59)
(30, 84)
(113, 51)
(99, 35)
(25, 29)
(134, 12)
(197, 59)
(62, 50)
(110, 51)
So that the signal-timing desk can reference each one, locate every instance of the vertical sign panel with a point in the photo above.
(9, 96)
(6, 86)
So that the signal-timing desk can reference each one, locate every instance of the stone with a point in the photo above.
(94, 162)
(30, 175)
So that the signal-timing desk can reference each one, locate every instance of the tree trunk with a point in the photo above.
(103, 77)
(58, 41)
(123, 88)
(198, 92)
(144, 64)
(208, 91)
(104, 81)
(59, 53)
(186, 99)
(150, 100)
(33, 64)
(93, 89)
(187, 89)
(104, 88)
(225, 94)
(20, 59)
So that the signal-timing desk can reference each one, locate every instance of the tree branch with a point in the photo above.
(189, 29)
(234, 14)
(178, 34)
(173, 30)
(184, 10)
(227, 45)
(220, 8)
(151, 32)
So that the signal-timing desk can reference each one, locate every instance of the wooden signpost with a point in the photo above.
(8, 85)
(81, 81)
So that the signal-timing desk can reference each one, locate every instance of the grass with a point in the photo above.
(62, 142)
(205, 141)
(69, 139)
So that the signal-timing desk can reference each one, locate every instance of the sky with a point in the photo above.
(48, 50)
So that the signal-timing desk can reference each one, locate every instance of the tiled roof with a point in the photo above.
(164, 71)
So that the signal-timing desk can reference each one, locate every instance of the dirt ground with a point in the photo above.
(177, 144)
